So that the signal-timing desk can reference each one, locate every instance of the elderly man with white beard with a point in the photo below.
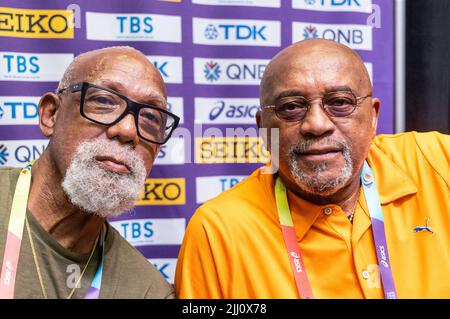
(106, 123)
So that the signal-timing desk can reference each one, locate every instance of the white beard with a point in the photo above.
(316, 183)
(99, 191)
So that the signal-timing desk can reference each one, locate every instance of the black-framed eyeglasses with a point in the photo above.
(105, 106)
(335, 104)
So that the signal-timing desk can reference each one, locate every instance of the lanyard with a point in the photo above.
(14, 241)
(293, 249)
(379, 234)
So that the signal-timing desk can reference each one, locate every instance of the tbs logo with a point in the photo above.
(21, 64)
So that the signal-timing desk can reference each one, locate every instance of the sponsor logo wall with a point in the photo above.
(212, 55)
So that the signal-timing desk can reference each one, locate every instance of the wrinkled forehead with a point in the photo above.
(313, 73)
(134, 76)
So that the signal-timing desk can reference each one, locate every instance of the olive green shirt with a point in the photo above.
(126, 273)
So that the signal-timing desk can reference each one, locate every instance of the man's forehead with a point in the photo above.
(312, 71)
(123, 73)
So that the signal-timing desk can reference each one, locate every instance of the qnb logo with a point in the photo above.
(211, 32)
(212, 71)
(1, 113)
(310, 32)
(355, 36)
(3, 154)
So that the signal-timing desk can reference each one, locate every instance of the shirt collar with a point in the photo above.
(392, 183)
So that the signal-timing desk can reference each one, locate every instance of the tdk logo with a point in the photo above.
(166, 266)
(355, 36)
(334, 5)
(236, 32)
(211, 32)
(226, 110)
(17, 110)
(229, 71)
(133, 27)
(170, 67)
(155, 231)
(15, 66)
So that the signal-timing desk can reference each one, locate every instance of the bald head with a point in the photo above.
(89, 65)
(310, 56)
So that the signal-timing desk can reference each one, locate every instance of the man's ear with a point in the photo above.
(375, 112)
(49, 106)
(258, 119)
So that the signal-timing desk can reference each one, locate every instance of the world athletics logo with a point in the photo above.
(212, 71)
(3, 154)
(211, 32)
(310, 32)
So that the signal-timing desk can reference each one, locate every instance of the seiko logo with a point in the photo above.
(26, 23)
(163, 191)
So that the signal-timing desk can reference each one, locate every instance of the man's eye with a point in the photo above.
(339, 102)
(105, 100)
(292, 106)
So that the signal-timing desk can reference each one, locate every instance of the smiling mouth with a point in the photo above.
(319, 154)
(114, 165)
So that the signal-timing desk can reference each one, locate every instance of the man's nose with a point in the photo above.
(316, 122)
(125, 130)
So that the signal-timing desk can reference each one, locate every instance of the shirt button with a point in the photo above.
(365, 274)
(327, 211)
